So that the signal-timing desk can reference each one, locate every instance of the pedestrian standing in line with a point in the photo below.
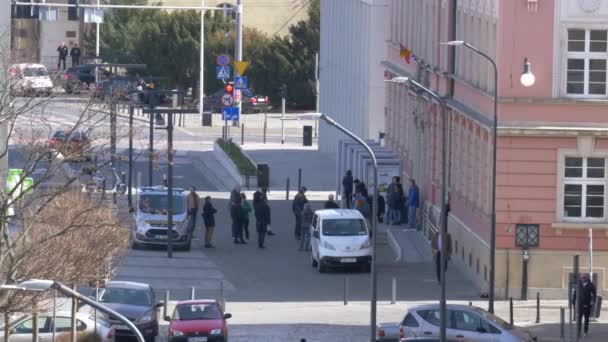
(75, 54)
(262, 218)
(307, 215)
(246, 212)
(413, 203)
(238, 217)
(297, 206)
(437, 244)
(381, 207)
(347, 188)
(265, 191)
(588, 294)
(395, 196)
(62, 50)
(360, 202)
(330, 203)
(235, 195)
(209, 220)
(192, 200)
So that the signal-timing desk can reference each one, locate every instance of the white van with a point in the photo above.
(340, 238)
(30, 79)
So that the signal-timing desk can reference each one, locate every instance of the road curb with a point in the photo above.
(392, 241)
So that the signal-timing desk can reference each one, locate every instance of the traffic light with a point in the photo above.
(229, 89)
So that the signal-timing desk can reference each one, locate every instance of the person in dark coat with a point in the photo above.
(75, 54)
(588, 293)
(238, 217)
(209, 220)
(62, 50)
(247, 210)
(395, 197)
(347, 188)
(330, 203)
(262, 217)
(297, 206)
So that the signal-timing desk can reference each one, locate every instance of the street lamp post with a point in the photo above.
(444, 197)
(374, 269)
(527, 79)
(39, 285)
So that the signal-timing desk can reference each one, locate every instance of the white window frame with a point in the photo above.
(586, 56)
(562, 181)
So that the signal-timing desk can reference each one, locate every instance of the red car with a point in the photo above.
(76, 148)
(198, 321)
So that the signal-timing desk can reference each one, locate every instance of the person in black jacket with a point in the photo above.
(75, 54)
(587, 298)
(209, 221)
(347, 188)
(262, 217)
(63, 53)
(330, 203)
(238, 217)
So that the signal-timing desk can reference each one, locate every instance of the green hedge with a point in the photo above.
(243, 164)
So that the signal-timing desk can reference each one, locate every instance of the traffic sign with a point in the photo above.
(223, 72)
(230, 113)
(241, 67)
(222, 60)
(227, 100)
(240, 82)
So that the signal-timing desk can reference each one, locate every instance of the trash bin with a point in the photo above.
(263, 176)
(207, 119)
(307, 138)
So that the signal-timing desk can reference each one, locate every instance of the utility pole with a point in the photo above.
(201, 88)
(238, 54)
(129, 194)
(170, 185)
(97, 61)
(283, 96)
(151, 151)
(318, 93)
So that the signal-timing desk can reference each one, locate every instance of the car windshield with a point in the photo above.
(495, 319)
(125, 296)
(189, 312)
(344, 227)
(59, 134)
(158, 204)
(29, 72)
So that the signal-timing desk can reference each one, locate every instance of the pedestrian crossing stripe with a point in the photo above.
(223, 72)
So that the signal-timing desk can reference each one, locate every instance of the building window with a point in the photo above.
(587, 53)
(584, 188)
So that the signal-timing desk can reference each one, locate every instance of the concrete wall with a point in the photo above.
(353, 33)
(53, 33)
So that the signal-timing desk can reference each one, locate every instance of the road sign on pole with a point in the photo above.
(241, 67)
(240, 82)
(223, 72)
(222, 60)
(230, 113)
(227, 100)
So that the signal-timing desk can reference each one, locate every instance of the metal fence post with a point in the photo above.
(287, 190)
(511, 310)
(299, 179)
(222, 299)
(7, 331)
(192, 293)
(394, 296)
(166, 306)
(537, 307)
(243, 133)
(562, 322)
(345, 290)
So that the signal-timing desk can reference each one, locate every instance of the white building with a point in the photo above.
(353, 34)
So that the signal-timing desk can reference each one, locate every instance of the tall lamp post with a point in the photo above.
(527, 79)
(39, 285)
(374, 270)
(444, 194)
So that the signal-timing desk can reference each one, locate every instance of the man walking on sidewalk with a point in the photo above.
(193, 202)
(437, 243)
(262, 217)
(587, 292)
(297, 206)
(413, 203)
(209, 221)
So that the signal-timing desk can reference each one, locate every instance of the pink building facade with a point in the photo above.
(552, 137)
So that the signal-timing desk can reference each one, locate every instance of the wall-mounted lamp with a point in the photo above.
(527, 78)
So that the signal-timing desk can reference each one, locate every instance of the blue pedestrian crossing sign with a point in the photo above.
(223, 72)
(230, 113)
(240, 82)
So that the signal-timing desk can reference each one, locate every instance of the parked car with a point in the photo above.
(22, 328)
(30, 79)
(464, 323)
(119, 88)
(198, 321)
(250, 103)
(135, 301)
(72, 145)
(339, 238)
(82, 77)
(150, 223)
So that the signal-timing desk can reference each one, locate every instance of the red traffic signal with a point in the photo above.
(229, 88)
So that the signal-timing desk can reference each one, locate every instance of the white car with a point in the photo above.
(21, 329)
(464, 322)
(340, 238)
(30, 79)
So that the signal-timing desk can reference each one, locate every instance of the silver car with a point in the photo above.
(464, 323)
(21, 329)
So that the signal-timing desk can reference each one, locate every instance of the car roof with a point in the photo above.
(449, 306)
(127, 285)
(339, 214)
(158, 190)
(197, 301)
(29, 65)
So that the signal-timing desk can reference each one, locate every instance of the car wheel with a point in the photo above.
(313, 261)
(322, 268)
(149, 338)
(188, 246)
(134, 245)
(367, 268)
